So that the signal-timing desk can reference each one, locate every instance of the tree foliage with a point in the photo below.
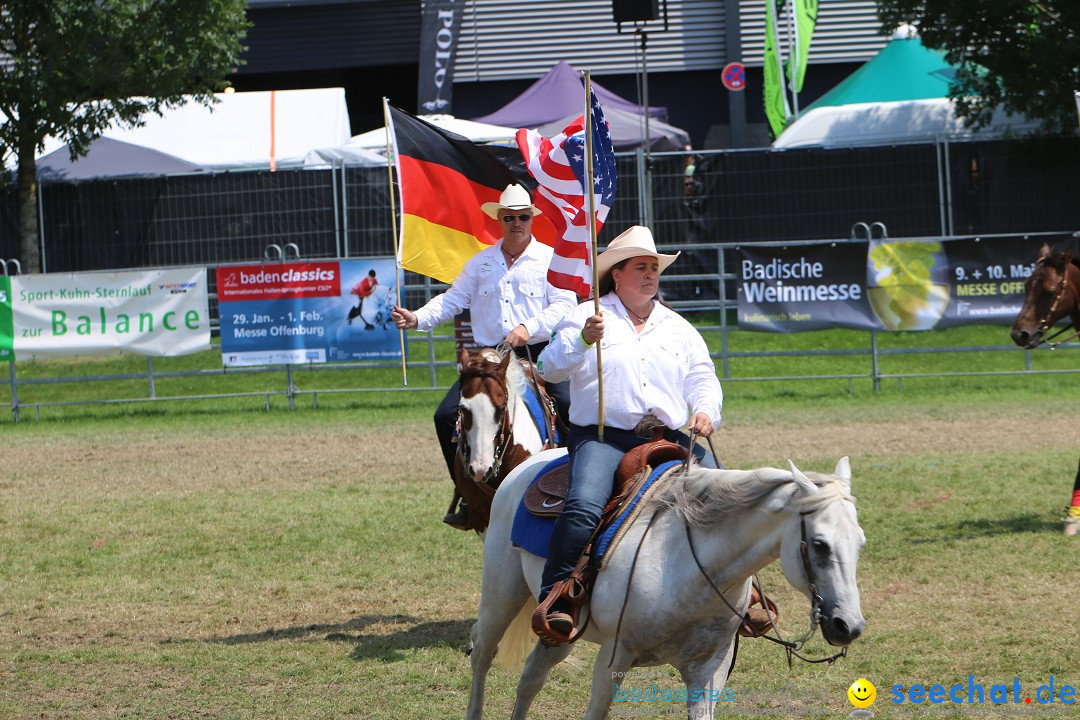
(73, 67)
(1023, 55)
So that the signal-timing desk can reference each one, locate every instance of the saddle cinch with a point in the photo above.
(546, 498)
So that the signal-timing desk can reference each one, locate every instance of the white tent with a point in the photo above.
(878, 123)
(476, 131)
(243, 130)
(344, 155)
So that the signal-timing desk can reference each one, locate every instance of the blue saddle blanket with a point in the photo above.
(532, 401)
(532, 533)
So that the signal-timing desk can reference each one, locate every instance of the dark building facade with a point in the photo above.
(371, 48)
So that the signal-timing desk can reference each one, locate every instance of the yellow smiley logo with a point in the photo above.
(862, 693)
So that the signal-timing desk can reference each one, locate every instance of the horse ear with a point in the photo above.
(506, 361)
(801, 480)
(463, 357)
(1045, 251)
(843, 471)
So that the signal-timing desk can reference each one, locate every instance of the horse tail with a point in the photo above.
(518, 639)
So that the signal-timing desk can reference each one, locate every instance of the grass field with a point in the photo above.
(217, 561)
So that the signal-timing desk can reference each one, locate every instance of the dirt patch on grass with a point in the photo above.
(193, 461)
(776, 443)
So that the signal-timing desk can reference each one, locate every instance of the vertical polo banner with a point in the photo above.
(158, 313)
(804, 287)
(438, 42)
(312, 312)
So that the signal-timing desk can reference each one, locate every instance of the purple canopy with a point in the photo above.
(628, 131)
(111, 158)
(555, 96)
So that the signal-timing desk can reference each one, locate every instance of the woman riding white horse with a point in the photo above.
(676, 586)
(655, 365)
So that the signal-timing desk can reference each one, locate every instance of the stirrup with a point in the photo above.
(572, 592)
(759, 621)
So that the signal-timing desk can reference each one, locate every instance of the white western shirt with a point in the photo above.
(664, 370)
(501, 298)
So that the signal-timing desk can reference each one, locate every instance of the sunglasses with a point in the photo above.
(511, 218)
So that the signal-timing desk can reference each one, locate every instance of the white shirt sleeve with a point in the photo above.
(567, 351)
(446, 305)
(701, 387)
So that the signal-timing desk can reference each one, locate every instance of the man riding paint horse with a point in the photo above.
(505, 286)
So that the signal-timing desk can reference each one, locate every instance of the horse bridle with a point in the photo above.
(506, 426)
(502, 442)
(791, 647)
(1045, 324)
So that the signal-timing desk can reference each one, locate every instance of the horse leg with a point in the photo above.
(606, 671)
(705, 681)
(501, 597)
(535, 674)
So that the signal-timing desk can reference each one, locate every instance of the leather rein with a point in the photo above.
(791, 647)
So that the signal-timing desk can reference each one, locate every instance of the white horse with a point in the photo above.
(702, 535)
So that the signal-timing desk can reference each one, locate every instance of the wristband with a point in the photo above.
(585, 342)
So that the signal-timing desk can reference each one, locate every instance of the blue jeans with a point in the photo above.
(592, 477)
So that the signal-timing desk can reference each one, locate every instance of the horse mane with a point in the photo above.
(705, 496)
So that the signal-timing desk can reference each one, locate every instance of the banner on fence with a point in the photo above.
(806, 287)
(154, 312)
(986, 278)
(309, 312)
(884, 284)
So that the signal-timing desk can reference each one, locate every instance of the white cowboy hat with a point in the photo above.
(514, 197)
(635, 241)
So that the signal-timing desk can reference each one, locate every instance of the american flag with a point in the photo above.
(559, 167)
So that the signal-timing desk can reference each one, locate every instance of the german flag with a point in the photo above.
(444, 178)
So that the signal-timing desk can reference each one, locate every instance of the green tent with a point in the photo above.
(903, 70)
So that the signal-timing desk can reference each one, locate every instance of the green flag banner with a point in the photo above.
(776, 107)
(805, 21)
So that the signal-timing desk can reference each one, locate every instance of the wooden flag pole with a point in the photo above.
(390, 157)
(590, 194)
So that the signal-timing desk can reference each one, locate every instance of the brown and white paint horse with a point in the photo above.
(1052, 293)
(497, 430)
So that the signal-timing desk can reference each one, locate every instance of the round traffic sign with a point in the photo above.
(734, 76)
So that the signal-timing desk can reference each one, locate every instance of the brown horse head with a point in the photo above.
(497, 430)
(487, 394)
(1052, 292)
